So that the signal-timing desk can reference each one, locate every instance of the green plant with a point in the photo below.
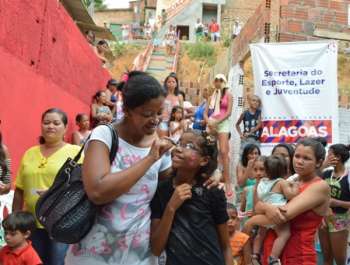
(118, 48)
(202, 51)
(98, 4)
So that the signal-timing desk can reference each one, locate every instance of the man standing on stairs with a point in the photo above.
(199, 28)
(214, 29)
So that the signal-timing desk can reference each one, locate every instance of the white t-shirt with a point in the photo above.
(121, 234)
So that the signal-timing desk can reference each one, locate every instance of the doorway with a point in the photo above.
(183, 32)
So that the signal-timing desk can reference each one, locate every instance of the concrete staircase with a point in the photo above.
(160, 64)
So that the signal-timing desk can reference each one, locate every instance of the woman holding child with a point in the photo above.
(304, 212)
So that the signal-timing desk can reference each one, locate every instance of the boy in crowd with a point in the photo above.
(238, 240)
(18, 227)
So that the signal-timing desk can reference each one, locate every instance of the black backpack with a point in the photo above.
(64, 209)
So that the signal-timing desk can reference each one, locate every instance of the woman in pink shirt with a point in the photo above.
(217, 116)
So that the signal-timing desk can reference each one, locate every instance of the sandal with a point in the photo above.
(274, 261)
(256, 259)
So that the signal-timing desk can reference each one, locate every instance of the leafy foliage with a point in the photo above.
(99, 4)
(202, 51)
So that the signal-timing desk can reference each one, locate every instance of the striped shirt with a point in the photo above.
(6, 179)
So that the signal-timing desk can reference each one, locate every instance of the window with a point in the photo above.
(240, 101)
(241, 78)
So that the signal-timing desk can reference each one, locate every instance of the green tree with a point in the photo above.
(99, 4)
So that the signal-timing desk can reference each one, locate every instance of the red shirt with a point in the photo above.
(23, 256)
(214, 27)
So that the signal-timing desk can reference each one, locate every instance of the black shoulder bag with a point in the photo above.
(65, 210)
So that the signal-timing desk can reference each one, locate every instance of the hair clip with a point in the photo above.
(125, 77)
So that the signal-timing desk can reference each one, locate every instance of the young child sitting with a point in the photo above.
(18, 227)
(238, 240)
(189, 222)
(274, 190)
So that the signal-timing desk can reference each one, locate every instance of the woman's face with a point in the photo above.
(171, 84)
(102, 98)
(253, 154)
(145, 118)
(53, 128)
(281, 151)
(304, 161)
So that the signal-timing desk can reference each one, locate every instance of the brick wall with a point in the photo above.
(233, 9)
(115, 16)
(306, 19)
(254, 30)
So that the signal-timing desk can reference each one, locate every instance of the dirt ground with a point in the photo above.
(124, 62)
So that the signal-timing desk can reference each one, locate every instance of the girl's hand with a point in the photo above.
(250, 164)
(213, 182)
(180, 195)
(4, 188)
(159, 148)
(228, 190)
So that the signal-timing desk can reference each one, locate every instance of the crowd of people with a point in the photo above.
(168, 196)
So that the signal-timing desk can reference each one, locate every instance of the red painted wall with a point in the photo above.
(45, 62)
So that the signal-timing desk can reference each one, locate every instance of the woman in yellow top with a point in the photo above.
(37, 171)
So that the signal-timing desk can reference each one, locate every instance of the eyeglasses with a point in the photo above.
(188, 146)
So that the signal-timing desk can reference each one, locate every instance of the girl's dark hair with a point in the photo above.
(174, 110)
(98, 94)
(322, 140)
(182, 93)
(80, 116)
(22, 221)
(3, 165)
(208, 148)
(177, 88)
(317, 147)
(139, 89)
(276, 167)
(246, 151)
(342, 151)
(61, 113)
(290, 149)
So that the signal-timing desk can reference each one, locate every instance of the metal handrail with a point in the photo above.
(177, 53)
(176, 8)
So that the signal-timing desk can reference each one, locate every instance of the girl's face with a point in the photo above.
(281, 151)
(53, 128)
(233, 221)
(259, 170)
(188, 153)
(145, 118)
(178, 115)
(332, 157)
(304, 161)
(254, 102)
(218, 83)
(84, 122)
(171, 84)
(102, 98)
(253, 154)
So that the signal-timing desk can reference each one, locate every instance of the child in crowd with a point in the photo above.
(238, 240)
(245, 168)
(18, 227)
(100, 112)
(251, 119)
(276, 191)
(177, 123)
(248, 194)
(189, 221)
(83, 122)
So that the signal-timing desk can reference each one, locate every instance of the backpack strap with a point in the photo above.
(114, 147)
(115, 143)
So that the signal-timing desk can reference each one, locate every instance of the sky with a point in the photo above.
(117, 3)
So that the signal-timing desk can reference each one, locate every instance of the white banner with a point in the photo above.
(297, 83)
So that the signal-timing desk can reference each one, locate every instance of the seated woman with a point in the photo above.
(305, 212)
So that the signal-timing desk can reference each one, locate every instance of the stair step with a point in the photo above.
(156, 69)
